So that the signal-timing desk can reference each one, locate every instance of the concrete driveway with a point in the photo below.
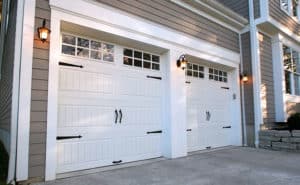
(233, 166)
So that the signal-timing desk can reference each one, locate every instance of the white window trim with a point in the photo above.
(290, 72)
(290, 10)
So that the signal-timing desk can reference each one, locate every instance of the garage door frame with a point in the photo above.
(97, 17)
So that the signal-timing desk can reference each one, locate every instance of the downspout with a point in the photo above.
(11, 178)
(244, 131)
(255, 72)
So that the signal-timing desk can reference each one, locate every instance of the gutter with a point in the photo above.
(216, 12)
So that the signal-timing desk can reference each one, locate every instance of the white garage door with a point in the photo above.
(110, 105)
(208, 107)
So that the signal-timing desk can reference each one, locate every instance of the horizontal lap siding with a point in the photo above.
(248, 88)
(283, 18)
(39, 94)
(267, 82)
(178, 18)
(6, 81)
(239, 6)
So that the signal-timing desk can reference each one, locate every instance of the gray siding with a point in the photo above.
(239, 6)
(267, 82)
(6, 81)
(38, 118)
(283, 18)
(248, 88)
(178, 18)
(256, 6)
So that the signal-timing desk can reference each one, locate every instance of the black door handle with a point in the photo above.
(121, 115)
(116, 114)
(117, 162)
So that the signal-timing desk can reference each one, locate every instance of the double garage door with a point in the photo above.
(208, 107)
(110, 107)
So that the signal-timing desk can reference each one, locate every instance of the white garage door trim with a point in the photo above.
(151, 34)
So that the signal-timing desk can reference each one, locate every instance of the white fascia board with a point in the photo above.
(113, 19)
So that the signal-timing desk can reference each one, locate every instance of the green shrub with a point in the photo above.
(294, 121)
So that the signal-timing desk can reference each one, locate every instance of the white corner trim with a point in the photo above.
(264, 9)
(279, 79)
(256, 73)
(25, 90)
(50, 172)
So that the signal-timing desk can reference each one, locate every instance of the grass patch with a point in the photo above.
(3, 165)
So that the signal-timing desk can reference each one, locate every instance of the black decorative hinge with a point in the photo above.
(154, 77)
(68, 137)
(188, 130)
(187, 82)
(69, 65)
(227, 127)
(155, 132)
(227, 88)
(117, 162)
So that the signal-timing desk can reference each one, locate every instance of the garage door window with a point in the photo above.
(195, 70)
(87, 48)
(217, 75)
(141, 59)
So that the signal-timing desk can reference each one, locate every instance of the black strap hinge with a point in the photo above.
(69, 65)
(154, 77)
(68, 137)
(155, 132)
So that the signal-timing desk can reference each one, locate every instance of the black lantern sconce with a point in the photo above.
(244, 77)
(182, 62)
(43, 32)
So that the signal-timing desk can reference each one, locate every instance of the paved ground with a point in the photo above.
(235, 166)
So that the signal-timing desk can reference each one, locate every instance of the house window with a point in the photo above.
(292, 70)
(217, 75)
(141, 59)
(195, 70)
(291, 7)
(87, 48)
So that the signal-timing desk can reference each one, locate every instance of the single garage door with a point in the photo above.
(110, 105)
(208, 107)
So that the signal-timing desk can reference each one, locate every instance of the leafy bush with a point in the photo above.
(294, 121)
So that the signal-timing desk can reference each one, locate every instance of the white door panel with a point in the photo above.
(208, 111)
(88, 99)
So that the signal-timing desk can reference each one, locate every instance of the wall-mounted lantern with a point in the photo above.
(244, 77)
(182, 62)
(43, 32)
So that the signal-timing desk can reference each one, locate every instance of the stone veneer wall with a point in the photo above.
(280, 140)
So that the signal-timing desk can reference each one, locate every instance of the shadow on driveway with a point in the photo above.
(234, 166)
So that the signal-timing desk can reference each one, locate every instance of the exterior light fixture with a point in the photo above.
(43, 32)
(182, 62)
(244, 78)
